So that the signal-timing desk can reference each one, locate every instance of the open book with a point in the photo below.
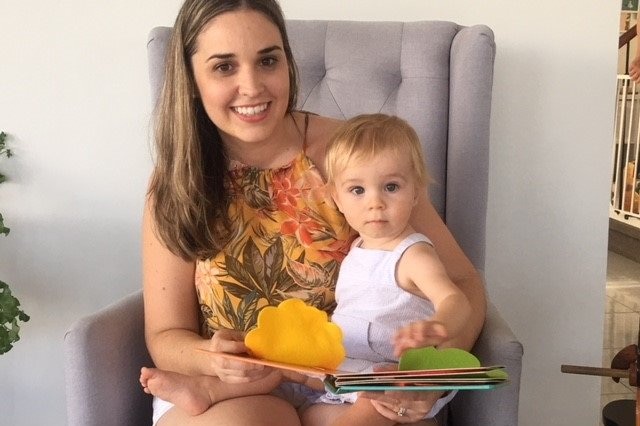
(338, 382)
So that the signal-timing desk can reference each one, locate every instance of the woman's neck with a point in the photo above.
(277, 150)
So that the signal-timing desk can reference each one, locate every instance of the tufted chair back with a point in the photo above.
(436, 75)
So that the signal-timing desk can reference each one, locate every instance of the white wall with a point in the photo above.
(74, 96)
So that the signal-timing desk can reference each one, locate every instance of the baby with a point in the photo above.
(392, 293)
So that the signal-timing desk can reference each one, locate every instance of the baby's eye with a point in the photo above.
(357, 190)
(391, 187)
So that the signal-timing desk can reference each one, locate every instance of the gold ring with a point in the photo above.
(401, 411)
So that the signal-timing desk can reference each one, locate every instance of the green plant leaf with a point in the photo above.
(3, 229)
(3, 136)
(10, 312)
(3, 145)
(10, 315)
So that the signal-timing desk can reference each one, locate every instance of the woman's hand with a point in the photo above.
(402, 406)
(230, 370)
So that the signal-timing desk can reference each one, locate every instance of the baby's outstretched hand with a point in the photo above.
(419, 334)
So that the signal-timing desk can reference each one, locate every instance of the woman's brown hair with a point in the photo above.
(187, 190)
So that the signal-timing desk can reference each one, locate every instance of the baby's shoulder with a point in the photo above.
(418, 252)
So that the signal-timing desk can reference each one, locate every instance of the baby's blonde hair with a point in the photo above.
(367, 135)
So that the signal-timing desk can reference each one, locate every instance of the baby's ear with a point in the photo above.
(332, 191)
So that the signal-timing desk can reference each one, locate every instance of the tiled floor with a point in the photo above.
(622, 316)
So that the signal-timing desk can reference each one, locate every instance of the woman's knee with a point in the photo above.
(259, 410)
(263, 410)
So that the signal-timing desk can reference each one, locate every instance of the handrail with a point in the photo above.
(625, 38)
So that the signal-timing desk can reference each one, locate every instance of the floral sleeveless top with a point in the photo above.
(289, 239)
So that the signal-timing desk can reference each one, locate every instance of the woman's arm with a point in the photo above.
(461, 271)
(171, 316)
(170, 305)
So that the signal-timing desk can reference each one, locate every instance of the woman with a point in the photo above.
(237, 217)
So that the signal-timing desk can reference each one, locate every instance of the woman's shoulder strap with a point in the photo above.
(306, 127)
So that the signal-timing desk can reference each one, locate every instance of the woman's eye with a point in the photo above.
(268, 62)
(391, 187)
(357, 190)
(223, 68)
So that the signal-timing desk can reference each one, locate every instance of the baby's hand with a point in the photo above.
(418, 335)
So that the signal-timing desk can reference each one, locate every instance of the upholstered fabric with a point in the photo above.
(436, 75)
(103, 356)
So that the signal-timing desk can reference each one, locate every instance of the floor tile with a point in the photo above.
(612, 306)
(609, 387)
(620, 268)
(620, 329)
(621, 321)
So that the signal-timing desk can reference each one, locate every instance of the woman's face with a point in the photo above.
(242, 76)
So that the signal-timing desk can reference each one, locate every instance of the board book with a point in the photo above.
(439, 379)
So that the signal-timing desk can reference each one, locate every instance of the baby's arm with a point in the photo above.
(421, 272)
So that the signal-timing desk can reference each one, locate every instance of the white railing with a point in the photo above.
(625, 189)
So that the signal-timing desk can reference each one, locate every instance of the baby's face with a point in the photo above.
(376, 196)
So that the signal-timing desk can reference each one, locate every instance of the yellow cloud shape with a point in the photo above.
(296, 333)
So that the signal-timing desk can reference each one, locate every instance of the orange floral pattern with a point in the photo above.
(289, 239)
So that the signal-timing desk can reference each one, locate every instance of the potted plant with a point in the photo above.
(10, 312)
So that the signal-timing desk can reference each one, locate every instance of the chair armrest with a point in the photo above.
(103, 356)
(496, 345)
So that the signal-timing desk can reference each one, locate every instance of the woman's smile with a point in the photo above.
(251, 110)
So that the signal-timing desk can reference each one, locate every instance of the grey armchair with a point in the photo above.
(436, 75)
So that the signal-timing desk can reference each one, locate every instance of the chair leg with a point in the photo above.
(637, 406)
(619, 413)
